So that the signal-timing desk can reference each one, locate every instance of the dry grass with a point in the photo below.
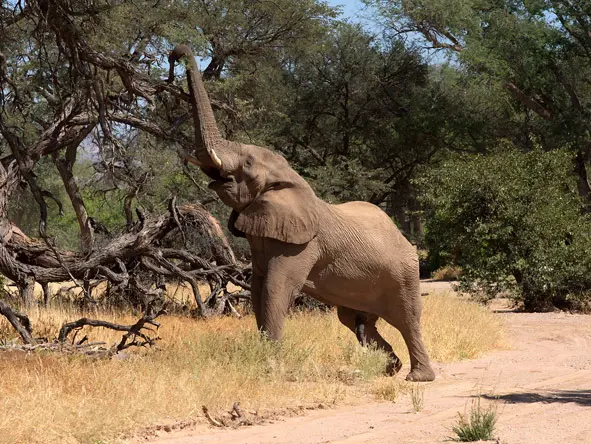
(417, 396)
(447, 273)
(48, 398)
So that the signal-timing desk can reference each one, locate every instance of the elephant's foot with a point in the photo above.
(421, 374)
(394, 365)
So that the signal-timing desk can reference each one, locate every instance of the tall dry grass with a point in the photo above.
(46, 397)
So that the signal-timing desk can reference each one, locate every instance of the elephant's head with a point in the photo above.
(269, 197)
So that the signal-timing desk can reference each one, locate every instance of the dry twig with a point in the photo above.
(213, 421)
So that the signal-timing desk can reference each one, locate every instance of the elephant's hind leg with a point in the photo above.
(406, 317)
(360, 321)
(364, 327)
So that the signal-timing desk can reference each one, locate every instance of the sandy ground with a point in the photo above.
(542, 387)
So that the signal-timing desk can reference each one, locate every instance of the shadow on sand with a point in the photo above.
(581, 397)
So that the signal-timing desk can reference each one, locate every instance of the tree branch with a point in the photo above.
(528, 101)
(19, 321)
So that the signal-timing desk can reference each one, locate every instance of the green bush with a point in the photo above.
(514, 223)
(478, 426)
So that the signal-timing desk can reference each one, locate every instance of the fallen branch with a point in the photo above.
(19, 321)
(213, 421)
(135, 331)
(76, 325)
(134, 336)
(149, 251)
(232, 309)
(236, 412)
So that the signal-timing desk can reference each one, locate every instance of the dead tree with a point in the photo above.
(141, 333)
(85, 92)
(145, 249)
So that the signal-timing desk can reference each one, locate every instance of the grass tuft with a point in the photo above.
(417, 396)
(387, 389)
(49, 398)
(479, 425)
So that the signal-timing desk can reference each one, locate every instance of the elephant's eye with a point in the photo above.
(248, 162)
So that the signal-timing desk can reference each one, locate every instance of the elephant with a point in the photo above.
(349, 255)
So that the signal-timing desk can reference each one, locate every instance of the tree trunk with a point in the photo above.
(46, 294)
(65, 167)
(215, 68)
(583, 178)
(397, 207)
(127, 210)
(415, 217)
(19, 321)
(27, 291)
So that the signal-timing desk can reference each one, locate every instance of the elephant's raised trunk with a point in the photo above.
(207, 134)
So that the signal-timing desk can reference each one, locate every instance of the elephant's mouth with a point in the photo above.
(212, 173)
(218, 183)
(218, 179)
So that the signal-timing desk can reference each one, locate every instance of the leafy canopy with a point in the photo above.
(513, 222)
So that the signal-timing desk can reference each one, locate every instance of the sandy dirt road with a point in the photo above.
(543, 385)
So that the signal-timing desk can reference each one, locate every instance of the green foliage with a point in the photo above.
(355, 115)
(344, 180)
(513, 222)
(479, 426)
(535, 55)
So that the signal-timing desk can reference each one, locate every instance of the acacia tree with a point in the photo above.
(535, 54)
(359, 116)
(511, 218)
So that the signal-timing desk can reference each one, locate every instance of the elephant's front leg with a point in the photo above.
(256, 291)
(286, 270)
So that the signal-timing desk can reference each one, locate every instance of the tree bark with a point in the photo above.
(65, 167)
(583, 178)
(214, 68)
(415, 216)
(46, 294)
(397, 206)
(529, 102)
(19, 321)
(27, 291)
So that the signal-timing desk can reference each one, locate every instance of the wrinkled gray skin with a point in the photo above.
(350, 255)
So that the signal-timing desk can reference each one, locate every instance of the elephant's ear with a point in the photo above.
(286, 214)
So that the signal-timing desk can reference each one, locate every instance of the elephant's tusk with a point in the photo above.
(216, 160)
(192, 159)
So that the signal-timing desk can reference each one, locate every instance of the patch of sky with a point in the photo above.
(355, 11)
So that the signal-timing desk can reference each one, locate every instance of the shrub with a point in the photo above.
(447, 273)
(514, 223)
(479, 426)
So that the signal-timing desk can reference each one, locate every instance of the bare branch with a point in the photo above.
(529, 102)
(19, 321)
(68, 327)
(135, 330)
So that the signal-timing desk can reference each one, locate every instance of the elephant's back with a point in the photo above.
(372, 227)
(363, 253)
